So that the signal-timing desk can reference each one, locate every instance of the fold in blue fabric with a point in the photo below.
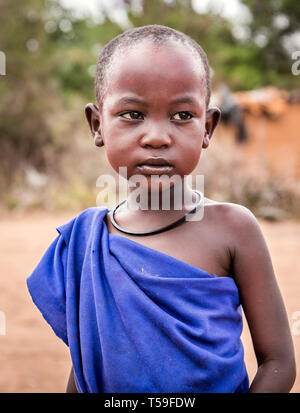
(137, 320)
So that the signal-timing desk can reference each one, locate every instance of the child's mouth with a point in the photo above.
(155, 166)
(154, 169)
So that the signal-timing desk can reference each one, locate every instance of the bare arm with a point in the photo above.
(263, 307)
(71, 387)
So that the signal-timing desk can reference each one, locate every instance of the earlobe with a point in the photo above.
(92, 116)
(205, 142)
(98, 139)
(212, 119)
(213, 116)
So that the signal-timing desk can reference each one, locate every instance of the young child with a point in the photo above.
(147, 300)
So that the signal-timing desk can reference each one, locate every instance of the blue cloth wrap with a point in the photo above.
(137, 320)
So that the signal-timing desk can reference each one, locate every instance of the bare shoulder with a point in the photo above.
(236, 220)
(234, 213)
(244, 240)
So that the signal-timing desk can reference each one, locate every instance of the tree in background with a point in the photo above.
(245, 56)
(50, 58)
(27, 90)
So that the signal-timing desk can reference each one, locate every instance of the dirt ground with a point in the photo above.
(33, 359)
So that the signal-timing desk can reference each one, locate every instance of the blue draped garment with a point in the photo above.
(137, 320)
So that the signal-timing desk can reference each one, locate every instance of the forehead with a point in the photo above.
(163, 71)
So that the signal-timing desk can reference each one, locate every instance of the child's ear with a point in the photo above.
(212, 119)
(93, 118)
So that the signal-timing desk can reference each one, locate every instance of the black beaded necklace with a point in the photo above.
(155, 231)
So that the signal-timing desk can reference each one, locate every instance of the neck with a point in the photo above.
(177, 197)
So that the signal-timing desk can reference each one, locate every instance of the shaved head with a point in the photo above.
(156, 34)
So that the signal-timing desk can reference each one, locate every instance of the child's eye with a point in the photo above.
(132, 115)
(182, 116)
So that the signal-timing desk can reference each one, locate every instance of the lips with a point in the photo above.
(155, 166)
(155, 162)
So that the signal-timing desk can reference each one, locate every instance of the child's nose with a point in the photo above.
(156, 137)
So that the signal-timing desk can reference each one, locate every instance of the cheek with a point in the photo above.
(118, 156)
(190, 160)
(190, 152)
(115, 157)
(112, 146)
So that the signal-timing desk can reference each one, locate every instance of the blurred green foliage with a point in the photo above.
(51, 60)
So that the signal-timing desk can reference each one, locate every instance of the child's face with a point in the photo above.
(155, 107)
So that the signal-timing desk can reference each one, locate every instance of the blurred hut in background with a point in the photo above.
(266, 124)
(257, 148)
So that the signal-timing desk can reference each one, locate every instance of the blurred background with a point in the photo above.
(49, 164)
